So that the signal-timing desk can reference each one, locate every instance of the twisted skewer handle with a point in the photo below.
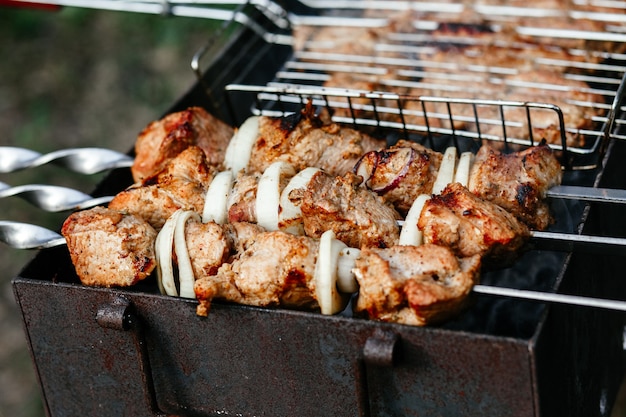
(28, 236)
(53, 198)
(82, 160)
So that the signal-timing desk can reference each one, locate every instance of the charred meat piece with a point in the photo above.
(416, 285)
(358, 216)
(400, 173)
(470, 226)
(306, 140)
(518, 182)
(164, 139)
(276, 269)
(109, 248)
(181, 184)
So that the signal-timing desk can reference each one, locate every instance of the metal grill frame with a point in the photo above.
(279, 22)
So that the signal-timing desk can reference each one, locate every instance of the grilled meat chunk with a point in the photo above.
(357, 215)
(518, 182)
(241, 235)
(208, 245)
(306, 140)
(276, 269)
(415, 285)
(181, 184)
(470, 226)
(400, 173)
(109, 248)
(242, 198)
(163, 139)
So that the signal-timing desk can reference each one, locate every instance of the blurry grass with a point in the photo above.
(76, 78)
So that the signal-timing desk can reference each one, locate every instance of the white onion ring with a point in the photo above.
(346, 283)
(290, 215)
(328, 297)
(463, 168)
(185, 270)
(216, 198)
(410, 234)
(163, 251)
(170, 238)
(267, 202)
(239, 148)
(446, 170)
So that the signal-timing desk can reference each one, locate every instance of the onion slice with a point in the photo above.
(446, 170)
(394, 164)
(268, 194)
(328, 296)
(346, 283)
(171, 237)
(185, 271)
(406, 156)
(366, 166)
(463, 168)
(411, 234)
(163, 250)
(239, 148)
(216, 198)
(290, 215)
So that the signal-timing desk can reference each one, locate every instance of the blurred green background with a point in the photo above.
(76, 78)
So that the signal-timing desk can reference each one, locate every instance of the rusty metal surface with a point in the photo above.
(253, 362)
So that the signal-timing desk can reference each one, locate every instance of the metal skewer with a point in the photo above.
(52, 198)
(550, 297)
(28, 236)
(82, 160)
(602, 195)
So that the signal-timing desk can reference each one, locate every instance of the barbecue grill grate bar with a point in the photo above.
(412, 115)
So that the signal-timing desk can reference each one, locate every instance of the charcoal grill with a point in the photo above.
(136, 352)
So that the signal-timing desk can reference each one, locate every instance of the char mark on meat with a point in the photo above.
(356, 215)
(415, 285)
(518, 182)
(469, 226)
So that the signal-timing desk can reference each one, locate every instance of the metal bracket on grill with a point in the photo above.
(381, 349)
(120, 315)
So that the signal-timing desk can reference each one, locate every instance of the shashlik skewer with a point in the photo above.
(339, 203)
(281, 269)
(179, 193)
(53, 198)
(163, 139)
(172, 201)
(29, 237)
